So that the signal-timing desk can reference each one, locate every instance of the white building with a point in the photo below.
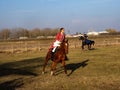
(96, 33)
(23, 37)
(93, 33)
(103, 32)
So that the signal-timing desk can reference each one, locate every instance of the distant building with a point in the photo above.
(103, 32)
(39, 37)
(77, 35)
(68, 35)
(23, 37)
(97, 33)
(93, 33)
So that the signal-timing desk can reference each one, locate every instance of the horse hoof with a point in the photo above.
(52, 73)
(43, 72)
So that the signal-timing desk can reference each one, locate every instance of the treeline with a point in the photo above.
(111, 31)
(16, 33)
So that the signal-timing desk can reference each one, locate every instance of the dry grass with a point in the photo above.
(97, 69)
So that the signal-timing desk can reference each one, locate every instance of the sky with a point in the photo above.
(74, 15)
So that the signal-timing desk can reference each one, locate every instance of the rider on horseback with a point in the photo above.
(85, 36)
(60, 37)
(87, 41)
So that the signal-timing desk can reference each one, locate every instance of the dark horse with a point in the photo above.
(59, 57)
(87, 42)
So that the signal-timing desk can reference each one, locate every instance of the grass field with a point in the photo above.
(97, 69)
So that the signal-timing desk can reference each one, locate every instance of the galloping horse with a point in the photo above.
(59, 57)
(86, 42)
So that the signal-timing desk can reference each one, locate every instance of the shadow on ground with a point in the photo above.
(72, 67)
(75, 66)
(21, 68)
(11, 85)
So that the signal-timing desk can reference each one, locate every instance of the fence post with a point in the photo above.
(117, 42)
(26, 48)
(12, 48)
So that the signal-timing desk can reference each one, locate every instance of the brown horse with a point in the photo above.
(59, 57)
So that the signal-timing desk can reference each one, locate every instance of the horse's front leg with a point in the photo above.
(82, 47)
(63, 63)
(45, 63)
(53, 67)
(83, 43)
(88, 46)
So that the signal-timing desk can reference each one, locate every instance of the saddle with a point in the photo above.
(87, 41)
(53, 54)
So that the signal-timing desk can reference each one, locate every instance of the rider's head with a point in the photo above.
(62, 30)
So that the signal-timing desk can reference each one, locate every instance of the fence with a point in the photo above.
(21, 46)
(25, 46)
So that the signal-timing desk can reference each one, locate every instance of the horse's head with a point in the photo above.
(81, 38)
(65, 46)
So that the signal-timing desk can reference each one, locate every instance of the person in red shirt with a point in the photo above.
(60, 37)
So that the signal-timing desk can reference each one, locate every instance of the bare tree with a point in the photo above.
(35, 32)
(110, 30)
(16, 33)
(5, 33)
